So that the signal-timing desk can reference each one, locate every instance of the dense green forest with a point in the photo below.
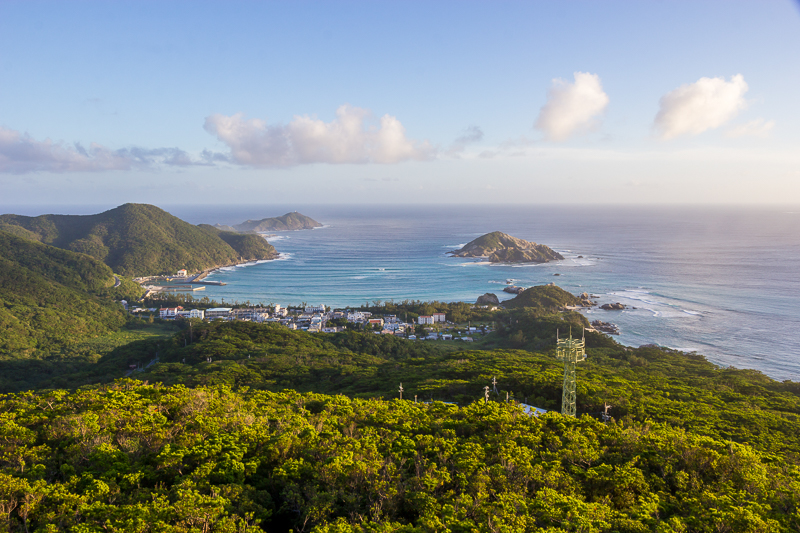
(140, 239)
(133, 457)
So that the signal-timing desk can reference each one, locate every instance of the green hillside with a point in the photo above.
(289, 221)
(146, 458)
(224, 446)
(139, 239)
(51, 297)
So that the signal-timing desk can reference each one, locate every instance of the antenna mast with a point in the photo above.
(571, 351)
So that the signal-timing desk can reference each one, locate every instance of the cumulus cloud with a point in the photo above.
(20, 154)
(755, 128)
(572, 107)
(696, 107)
(349, 138)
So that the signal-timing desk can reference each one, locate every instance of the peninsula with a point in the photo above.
(289, 221)
(499, 247)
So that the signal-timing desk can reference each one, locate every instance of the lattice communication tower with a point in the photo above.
(571, 351)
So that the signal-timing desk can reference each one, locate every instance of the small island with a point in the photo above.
(499, 247)
(287, 222)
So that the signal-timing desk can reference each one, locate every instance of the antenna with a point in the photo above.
(571, 351)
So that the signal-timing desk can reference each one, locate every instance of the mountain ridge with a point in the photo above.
(140, 239)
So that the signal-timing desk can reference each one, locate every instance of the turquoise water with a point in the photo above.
(719, 281)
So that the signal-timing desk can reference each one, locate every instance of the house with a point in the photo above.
(182, 273)
(447, 337)
(439, 317)
(376, 322)
(315, 309)
(197, 313)
(424, 319)
(169, 313)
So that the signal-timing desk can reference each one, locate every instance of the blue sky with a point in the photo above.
(400, 102)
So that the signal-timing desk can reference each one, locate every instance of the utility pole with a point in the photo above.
(401, 391)
(494, 384)
(571, 351)
(486, 394)
(606, 407)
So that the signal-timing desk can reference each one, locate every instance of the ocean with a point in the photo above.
(720, 281)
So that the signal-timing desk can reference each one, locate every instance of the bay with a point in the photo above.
(721, 281)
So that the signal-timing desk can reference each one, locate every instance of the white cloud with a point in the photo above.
(346, 139)
(755, 128)
(696, 107)
(20, 154)
(572, 107)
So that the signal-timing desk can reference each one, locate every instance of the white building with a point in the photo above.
(169, 313)
(182, 273)
(439, 317)
(218, 312)
(424, 319)
(315, 309)
(358, 316)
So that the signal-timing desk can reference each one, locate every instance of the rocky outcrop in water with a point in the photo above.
(499, 247)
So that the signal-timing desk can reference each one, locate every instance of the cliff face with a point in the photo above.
(499, 247)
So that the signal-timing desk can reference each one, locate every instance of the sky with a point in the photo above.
(371, 102)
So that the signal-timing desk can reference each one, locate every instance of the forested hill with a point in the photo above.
(51, 297)
(139, 239)
(289, 221)
(690, 447)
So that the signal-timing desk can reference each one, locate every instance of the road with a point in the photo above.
(116, 281)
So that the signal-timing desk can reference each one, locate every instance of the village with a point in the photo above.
(323, 319)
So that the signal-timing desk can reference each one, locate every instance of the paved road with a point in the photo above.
(116, 281)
